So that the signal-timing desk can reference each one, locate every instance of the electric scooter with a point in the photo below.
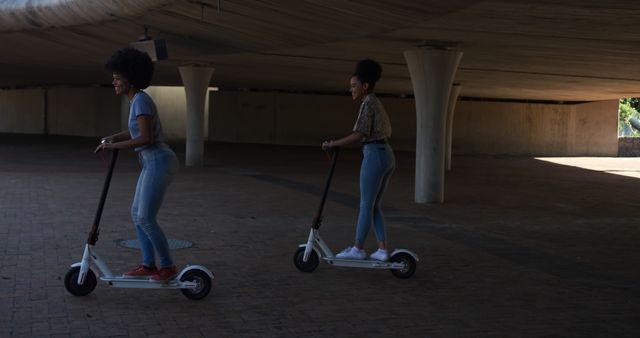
(402, 263)
(194, 280)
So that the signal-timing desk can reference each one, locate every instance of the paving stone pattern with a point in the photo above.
(521, 248)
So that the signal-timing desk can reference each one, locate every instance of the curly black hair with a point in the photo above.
(136, 66)
(368, 71)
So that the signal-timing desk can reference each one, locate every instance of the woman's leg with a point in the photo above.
(146, 247)
(388, 163)
(161, 167)
(371, 175)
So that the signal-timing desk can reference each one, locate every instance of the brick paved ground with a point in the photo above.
(521, 248)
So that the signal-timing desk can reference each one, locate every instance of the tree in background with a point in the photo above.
(629, 117)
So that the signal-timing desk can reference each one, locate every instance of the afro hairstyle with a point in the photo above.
(368, 71)
(134, 65)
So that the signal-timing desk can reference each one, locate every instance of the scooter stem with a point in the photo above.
(317, 221)
(93, 234)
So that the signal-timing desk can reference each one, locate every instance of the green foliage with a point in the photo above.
(628, 110)
(633, 102)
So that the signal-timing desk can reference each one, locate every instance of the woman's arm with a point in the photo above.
(354, 137)
(145, 138)
(121, 136)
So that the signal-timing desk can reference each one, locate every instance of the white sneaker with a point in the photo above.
(352, 253)
(380, 255)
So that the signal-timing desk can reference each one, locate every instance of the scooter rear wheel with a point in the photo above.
(202, 280)
(308, 266)
(71, 282)
(409, 262)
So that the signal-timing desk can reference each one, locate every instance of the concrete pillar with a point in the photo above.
(196, 82)
(432, 72)
(124, 112)
(451, 108)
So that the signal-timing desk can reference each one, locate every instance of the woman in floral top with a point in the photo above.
(372, 129)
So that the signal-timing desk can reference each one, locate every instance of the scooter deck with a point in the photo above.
(145, 282)
(137, 278)
(363, 263)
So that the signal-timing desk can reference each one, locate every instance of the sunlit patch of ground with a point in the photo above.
(624, 166)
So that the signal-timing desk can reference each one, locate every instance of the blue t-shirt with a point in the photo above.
(142, 104)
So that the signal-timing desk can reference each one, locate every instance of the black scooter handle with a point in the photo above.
(93, 234)
(317, 221)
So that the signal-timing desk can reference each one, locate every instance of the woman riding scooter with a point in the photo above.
(132, 71)
(372, 129)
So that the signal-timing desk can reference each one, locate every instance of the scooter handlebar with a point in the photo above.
(332, 152)
(104, 140)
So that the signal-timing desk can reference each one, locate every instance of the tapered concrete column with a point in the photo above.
(196, 81)
(451, 107)
(124, 112)
(432, 73)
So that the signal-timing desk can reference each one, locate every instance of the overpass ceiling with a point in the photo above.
(565, 50)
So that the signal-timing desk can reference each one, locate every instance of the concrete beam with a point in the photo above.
(28, 14)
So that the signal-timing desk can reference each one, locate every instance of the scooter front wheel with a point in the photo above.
(203, 284)
(71, 282)
(409, 262)
(308, 266)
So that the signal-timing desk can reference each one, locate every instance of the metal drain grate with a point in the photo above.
(173, 243)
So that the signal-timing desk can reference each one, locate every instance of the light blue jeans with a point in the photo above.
(377, 166)
(159, 164)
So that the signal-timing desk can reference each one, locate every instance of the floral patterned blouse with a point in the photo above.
(373, 120)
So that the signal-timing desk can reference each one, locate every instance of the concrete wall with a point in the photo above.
(22, 111)
(276, 118)
(588, 129)
(302, 119)
(83, 111)
(171, 103)
(480, 127)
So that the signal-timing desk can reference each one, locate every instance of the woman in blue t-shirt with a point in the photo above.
(132, 71)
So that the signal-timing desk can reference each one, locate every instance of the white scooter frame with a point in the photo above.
(135, 282)
(194, 280)
(402, 263)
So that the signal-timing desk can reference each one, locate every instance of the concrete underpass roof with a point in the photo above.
(565, 50)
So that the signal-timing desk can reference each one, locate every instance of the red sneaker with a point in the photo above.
(141, 271)
(165, 274)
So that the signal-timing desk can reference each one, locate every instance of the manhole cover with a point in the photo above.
(173, 243)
